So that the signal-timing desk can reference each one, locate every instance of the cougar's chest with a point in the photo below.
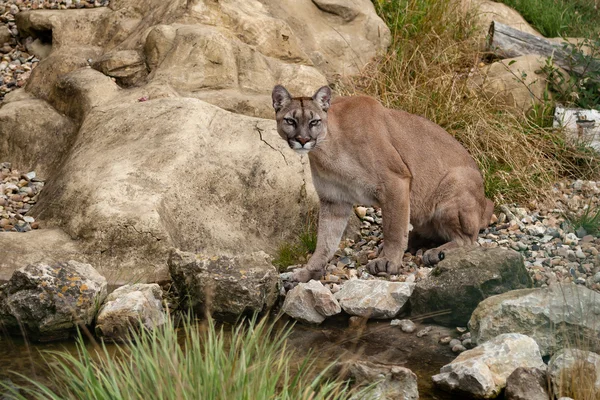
(340, 182)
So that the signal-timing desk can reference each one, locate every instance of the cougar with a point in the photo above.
(361, 152)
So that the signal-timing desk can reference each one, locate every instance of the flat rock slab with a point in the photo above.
(310, 303)
(48, 301)
(375, 298)
(130, 307)
(226, 287)
(553, 316)
(482, 371)
(464, 278)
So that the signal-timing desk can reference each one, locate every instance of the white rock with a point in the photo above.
(374, 298)
(127, 306)
(310, 303)
(482, 371)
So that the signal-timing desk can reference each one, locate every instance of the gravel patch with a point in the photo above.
(16, 55)
(553, 250)
(18, 193)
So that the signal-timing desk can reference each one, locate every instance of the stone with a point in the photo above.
(127, 66)
(37, 144)
(128, 308)
(49, 301)
(466, 277)
(575, 373)
(5, 35)
(226, 287)
(310, 303)
(482, 372)
(406, 325)
(375, 298)
(393, 381)
(553, 316)
(515, 82)
(527, 384)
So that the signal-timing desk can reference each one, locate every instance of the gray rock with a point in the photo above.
(454, 342)
(393, 382)
(406, 325)
(464, 278)
(5, 35)
(227, 287)
(482, 372)
(310, 303)
(127, 307)
(459, 348)
(50, 301)
(575, 373)
(527, 384)
(375, 298)
(553, 316)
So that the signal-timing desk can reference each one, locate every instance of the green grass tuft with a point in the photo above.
(195, 362)
(299, 250)
(589, 220)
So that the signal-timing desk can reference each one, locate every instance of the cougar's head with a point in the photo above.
(301, 121)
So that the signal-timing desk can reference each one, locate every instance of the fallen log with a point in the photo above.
(507, 42)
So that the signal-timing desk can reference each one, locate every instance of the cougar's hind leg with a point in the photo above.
(458, 216)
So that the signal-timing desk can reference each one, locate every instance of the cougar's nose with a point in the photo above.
(302, 140)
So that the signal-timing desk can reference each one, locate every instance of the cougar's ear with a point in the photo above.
(323, 98)
(281, 97)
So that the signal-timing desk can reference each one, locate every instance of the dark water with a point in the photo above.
(377, 342)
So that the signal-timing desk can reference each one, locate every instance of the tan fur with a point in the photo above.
(364, 153)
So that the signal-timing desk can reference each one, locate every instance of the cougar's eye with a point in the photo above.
(314, 122)
(289, 121)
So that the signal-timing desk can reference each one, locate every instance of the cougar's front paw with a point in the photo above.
(382, 266)
(304, 274)
(433, 256)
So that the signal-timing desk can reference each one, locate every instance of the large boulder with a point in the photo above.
(553, 316)
(482, 371)
(128, 308)
(374, 298)
(464, 278)
(225, 287)
(575, 373)
(516, 82)
(48, 301)
(310, 303)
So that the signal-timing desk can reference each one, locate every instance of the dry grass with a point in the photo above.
(426, 71)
